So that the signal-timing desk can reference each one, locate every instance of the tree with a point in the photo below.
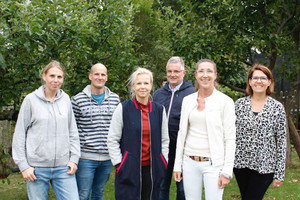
(152, 50)
(231, 32)
(74, 32)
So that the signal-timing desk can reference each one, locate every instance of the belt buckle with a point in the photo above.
(199, 158)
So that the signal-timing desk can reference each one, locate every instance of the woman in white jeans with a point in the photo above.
(206, 138)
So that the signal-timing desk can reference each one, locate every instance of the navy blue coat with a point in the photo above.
(163, 96)
(128, 172)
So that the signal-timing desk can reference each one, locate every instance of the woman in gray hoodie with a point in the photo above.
(46, 142)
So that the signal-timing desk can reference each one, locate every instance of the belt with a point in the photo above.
(199, 158)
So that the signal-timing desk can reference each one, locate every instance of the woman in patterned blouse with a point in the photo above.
(260, 136)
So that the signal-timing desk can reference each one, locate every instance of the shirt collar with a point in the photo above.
(176, 88)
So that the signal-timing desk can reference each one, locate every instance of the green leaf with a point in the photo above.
(2, 62)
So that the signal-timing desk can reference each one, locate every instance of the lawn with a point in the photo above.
(290, 190)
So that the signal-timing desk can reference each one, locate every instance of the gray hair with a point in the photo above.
(176, 59)
(133, 76)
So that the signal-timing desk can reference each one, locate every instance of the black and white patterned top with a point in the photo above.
(261, 138)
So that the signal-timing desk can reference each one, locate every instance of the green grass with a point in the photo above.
(290, 190)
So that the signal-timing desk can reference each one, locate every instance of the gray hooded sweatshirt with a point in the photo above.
(46, 134)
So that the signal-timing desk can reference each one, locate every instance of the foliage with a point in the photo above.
(4, 170)
(152, 51)
(75, 32)
(231, 32)
(233, 94)
(124, 34)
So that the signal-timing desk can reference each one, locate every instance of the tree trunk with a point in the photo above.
(294, 135)
(288, 147)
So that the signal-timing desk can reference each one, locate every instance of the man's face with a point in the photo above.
(98, 77)
(175, 74)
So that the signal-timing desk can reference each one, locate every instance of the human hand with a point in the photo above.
(72, 168)
(177, 176)
(277, 183)
(223, 181)
(28, 174)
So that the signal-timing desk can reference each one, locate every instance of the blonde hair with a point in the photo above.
(52, 64)
(131, 80)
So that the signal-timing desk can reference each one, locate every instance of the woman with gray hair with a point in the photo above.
(138, 141)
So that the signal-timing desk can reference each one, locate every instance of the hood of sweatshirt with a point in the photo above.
(88, 92)
(41, 95)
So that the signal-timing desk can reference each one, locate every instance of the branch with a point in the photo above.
(37, 61)
(288, 19)
(289, 33)
(232, 86)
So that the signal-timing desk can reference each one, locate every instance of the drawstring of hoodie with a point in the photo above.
(91, 105)
(91, 114)
(59, 111)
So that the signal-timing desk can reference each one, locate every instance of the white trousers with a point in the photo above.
(196, 173)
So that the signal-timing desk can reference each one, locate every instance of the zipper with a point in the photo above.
(55, 122)
(122, 162)
(170, 106)
(151, 175)
(141, 153)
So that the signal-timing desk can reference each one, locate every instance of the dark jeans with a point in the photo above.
(166, 183)
(146, 183)
(253, 185)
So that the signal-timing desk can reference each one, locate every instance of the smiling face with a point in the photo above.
(98, 78)
(53, 78)
(142, 87)
(206, 75)
(259, 82)
(175, 74)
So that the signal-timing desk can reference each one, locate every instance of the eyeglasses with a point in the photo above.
(202, 72)
(262, 78)
(174, 72)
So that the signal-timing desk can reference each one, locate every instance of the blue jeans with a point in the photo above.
(92, 176)
(63, 184)
(166, 183)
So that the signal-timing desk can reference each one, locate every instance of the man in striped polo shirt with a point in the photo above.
(93, 108)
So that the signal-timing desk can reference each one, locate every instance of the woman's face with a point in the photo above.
(206, 75)
(142, 86)
(259, 82)
(53, 78)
